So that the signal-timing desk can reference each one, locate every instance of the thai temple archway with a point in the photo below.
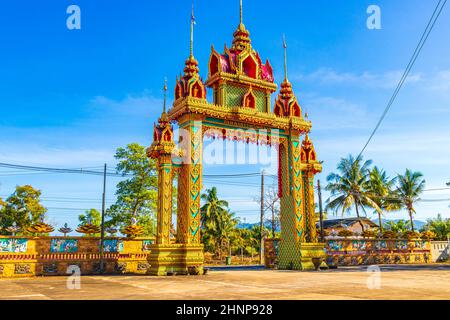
(242, 86)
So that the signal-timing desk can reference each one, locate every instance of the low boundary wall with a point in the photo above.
(353, 252)
(33, 256)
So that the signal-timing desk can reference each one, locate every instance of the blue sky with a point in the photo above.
(69, 98)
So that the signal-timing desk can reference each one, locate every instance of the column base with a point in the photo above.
(311, 257)
(175, 259)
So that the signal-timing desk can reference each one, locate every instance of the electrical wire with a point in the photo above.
(423, 39)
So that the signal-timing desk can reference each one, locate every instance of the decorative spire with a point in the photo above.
(241, 39)
(191, 47)
(285, 59)
(165, 94)
(240, 11)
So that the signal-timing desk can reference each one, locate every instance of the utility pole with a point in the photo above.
(261, 227)
(102, 234)
(319, 192)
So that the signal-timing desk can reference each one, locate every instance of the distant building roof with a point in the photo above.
(347, 222)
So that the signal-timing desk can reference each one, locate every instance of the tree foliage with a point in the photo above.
(23, 207)
(410, 187)
(439, 226)
(348, 187)
(218, 224)
(137, 194)
(92, 216)
(399, 227)
(380, 188)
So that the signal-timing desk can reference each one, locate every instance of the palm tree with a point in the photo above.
(348, 187)
(218, 223)
(213, 207)
(380, 190)
(410, 186)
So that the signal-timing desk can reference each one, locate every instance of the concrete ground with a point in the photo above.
(395, 282)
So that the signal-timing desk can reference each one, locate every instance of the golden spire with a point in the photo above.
(165, 94)
(285, 59)
(241, 36)
(191, 54)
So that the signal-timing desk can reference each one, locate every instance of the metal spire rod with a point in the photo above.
(285, 58)
(165, 94)
(240, 11)
(191, 54)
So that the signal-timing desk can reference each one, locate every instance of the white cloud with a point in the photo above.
(441, 82)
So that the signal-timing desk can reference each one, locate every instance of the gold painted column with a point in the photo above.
(292, 210)
(190, 182)
(308, 182)
(310, 167)
(165, 181)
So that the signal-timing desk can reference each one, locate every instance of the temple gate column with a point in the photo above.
(292, 204)
(190, 181)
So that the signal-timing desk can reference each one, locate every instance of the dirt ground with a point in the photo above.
(393, 282)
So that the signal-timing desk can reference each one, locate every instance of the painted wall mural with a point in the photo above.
(13, 245)
(64, 245)
(146, 244)
(112, 245)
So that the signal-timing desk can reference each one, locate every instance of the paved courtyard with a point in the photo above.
(396, 282)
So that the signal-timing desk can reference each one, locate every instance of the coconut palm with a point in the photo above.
(380, 190)
(410, 186)
(218, 223)
(213, 207)
(348, 187)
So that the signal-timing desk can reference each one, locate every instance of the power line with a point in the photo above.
(47, 170)
(423, 39)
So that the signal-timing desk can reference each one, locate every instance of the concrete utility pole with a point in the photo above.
(261, 227)
(102, 234)
(319, 192)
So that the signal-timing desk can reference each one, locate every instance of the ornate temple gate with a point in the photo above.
(241, 111)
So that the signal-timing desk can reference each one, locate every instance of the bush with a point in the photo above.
(369, 234)
(389, 234)
(429, 235)
(345, 233)
(411, 235)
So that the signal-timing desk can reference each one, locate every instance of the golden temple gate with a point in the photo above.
(242, 86)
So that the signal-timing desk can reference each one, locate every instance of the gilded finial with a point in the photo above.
(285, 59)
(165, 94)
(191, 49)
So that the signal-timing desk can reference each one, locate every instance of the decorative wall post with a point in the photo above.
(310, 167)
(161, 150)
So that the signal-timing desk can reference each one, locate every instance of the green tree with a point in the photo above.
(409, 188)
(400, 226)
(380, 190)
(218, 224)
(137, 194)
(23, 207)
(91, 216)
(213, 207)
(439, 226)
(348, 187)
